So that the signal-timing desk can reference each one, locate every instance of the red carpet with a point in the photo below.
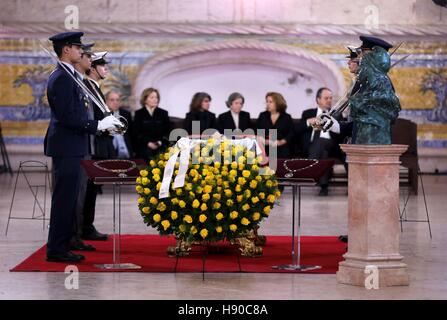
(149, 252)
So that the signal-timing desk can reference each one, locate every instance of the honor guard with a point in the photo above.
(66, 142)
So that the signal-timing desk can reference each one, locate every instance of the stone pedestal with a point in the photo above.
(373, 216)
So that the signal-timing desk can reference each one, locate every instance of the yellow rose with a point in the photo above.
(138, 180)
(156, 177)
(156, 171)
(145, 181)
(145, 210)
(239, 198)
(203, 233)
(219, 216)
(182, 204)
(193, 230)
(208, 189)
(258, 178)
(233, 173)
(217, 196)
(255, 199)
(229, 202)
(267, 210)
(253, 184)
(158, 186)
(238, 188)
(228, 193)
(153, 200)
(234, 214)
(140, 200)
(174, 201)
(262, 195)
(166, 224)
(271, 198)
(152, 163)
(202, 218)
(241, 181)
(203, 207)
(241, 166)
(277, 193)
(205, 197)
(245, 221)
(195, 203)
(233, 165)
(193, 172)
(233, 227)
(216, 205)
(241, 159)
(245, 173)
(219, 229)
(245, 207)
(199, 189)
(161, 207)
(156, 217)
(187, 218)
(139, 189)
(217, 165)
(174, 215)
(269, 183)
(182, 228)
(147, 191)
(247, 193)
(143, 173)
(256, 216)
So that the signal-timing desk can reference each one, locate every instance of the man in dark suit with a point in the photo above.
(317, 144)
(66, 141)
(235, 118)
(121, 143)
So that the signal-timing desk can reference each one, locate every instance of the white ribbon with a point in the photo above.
(185, 145)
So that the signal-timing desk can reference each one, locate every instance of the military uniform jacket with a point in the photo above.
(67, 134)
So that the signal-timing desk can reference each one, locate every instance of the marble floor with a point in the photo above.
(426, 258)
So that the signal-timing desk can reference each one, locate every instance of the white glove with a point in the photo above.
(330, 124)
(109, 123)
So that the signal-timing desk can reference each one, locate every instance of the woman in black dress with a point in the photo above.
(199, 111)
(151, 126)
(276, 117)
(235, 118)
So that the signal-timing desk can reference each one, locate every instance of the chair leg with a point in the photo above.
(425, 201)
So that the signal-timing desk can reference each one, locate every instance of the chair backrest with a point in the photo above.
(404, 131)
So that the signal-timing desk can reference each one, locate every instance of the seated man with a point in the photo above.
(315, 143)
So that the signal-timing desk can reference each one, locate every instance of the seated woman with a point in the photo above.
(235, 118)
(276, 117)
(199, 111)
(151, 126)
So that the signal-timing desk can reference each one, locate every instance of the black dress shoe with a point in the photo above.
(324, 191)
(95, 236)
(81, 246)
(68, 257)
(343, 238)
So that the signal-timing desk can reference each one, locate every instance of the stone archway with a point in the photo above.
(250, 67)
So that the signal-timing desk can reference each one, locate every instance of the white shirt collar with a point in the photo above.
(94, 81)
(320, 111)
(150, 110)
(69, 66)
(80, 74)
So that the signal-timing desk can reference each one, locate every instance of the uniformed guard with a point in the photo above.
(66, 141)
(348, 128)
(102, 145)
